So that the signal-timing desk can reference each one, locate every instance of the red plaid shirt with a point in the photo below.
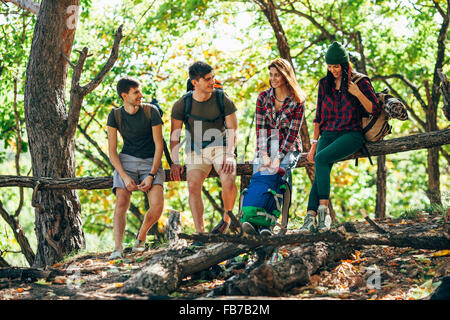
(285, 123)
(338, 111)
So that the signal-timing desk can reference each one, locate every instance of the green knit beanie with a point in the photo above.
(336, 54)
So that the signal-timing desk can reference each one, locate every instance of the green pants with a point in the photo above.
(332, 147)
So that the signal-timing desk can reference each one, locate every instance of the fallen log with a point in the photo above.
(408, 143)
(422, 240)
(29, 274)
(164, 272)
(277, 278)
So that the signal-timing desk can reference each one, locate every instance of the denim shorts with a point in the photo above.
(138, 169)
(288, 164)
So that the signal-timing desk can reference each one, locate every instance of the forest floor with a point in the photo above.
(371, 273)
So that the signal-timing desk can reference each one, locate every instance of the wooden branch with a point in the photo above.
(77, 93)
(19, 234)
(403, 144)
(375, 225)
(27, 5)
(411, 85)
(108, 65)
(431, 241)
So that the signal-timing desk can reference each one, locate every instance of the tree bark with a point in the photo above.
(277, 278)
(58, 223)
(422, 240)
(51, 125)
(380, 205)
(164, 272)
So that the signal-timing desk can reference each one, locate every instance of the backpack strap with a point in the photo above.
(188, 97)
(148, 111)
(118, 118)
(188, 106)
(148, 114)
(118, 115)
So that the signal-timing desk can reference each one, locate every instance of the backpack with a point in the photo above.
(376, 128)
(187, 113)
(147, 111)
(263, 199)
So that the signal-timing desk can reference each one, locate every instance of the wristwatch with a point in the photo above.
(152, 175)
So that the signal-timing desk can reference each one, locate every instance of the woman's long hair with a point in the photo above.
(346, 78)
(285, 69)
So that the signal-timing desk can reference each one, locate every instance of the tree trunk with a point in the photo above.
(380, 207)
(57, 219)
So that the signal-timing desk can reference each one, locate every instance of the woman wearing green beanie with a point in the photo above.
(339, 105)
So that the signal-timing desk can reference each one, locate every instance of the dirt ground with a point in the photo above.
(371, 273)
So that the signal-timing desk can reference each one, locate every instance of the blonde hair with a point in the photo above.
(287, 71)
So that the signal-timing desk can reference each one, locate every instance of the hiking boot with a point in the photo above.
(115, 255)
(265, 231)
(221, 227)
(139, 246)
(324, 218)
(248, 228)
(309, 223)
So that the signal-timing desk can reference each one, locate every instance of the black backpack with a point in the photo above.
(187, 113)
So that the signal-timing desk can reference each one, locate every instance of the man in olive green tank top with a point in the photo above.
(211, 127)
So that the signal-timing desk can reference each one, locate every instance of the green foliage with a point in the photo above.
(161, 40)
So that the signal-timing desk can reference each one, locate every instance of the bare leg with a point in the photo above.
(156, 200)
(229, 193)
(195, 179)
(122, 204)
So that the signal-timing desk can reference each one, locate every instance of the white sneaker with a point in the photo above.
(115, 255)
(139, 246)
(324, 218)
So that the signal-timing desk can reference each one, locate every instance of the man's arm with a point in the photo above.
(159, 148)
(229, 161)
(115, 161)
(232, 126)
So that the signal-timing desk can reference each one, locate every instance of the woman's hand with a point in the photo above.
(312, 153)
(354, 89)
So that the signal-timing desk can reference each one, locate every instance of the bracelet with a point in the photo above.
(151, 175)
(314, 141)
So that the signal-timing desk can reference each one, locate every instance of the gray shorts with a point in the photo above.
(138, 169)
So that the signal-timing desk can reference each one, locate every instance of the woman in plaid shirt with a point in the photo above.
(279, 116)
(340, 103)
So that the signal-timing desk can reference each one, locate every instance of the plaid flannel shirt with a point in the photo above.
(285, 124)
(341, 111)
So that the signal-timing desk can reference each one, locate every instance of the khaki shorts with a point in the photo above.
(208, 157)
